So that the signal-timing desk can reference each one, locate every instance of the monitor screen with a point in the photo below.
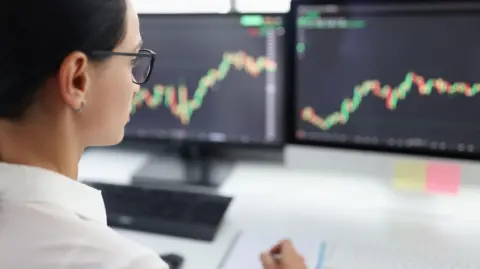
(217, 78)
(390, 77)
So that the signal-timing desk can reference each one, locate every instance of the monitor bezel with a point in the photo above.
(292, 109)
(228, 143)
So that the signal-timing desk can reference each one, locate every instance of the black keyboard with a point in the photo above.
(169, 212)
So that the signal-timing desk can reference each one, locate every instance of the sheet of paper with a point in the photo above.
(245, 253)
(410, 175)
(443, 178)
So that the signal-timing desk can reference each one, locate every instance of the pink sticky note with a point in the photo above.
(443, 178)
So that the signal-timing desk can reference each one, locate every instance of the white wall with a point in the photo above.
(356, 179)
(246, 6)
(210, 6)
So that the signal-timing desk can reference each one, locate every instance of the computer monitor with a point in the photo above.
(217, 78)
(391, 77)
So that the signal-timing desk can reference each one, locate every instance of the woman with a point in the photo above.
(68, 73)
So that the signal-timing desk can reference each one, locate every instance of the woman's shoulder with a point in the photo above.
(111, 246)
(51, 239)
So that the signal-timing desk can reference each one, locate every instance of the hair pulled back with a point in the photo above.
(37, 35)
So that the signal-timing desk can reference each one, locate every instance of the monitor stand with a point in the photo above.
(186, 166)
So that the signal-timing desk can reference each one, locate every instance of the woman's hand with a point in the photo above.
(282, 256)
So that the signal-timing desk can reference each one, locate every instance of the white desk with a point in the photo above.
(283, 201)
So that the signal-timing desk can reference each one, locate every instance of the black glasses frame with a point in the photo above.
(144, 53)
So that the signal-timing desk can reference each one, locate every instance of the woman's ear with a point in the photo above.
(73, 79)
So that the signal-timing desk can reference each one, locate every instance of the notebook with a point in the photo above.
(244, 252)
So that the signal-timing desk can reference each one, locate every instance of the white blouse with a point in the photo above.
(49, 221)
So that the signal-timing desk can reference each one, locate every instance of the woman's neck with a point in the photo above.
(48, 146)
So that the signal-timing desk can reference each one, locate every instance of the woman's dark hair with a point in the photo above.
(37, 35)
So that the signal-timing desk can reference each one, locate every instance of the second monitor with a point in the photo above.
(397, 77)
(216, 79)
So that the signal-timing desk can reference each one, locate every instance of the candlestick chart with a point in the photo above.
(177, 98)
(392, 96)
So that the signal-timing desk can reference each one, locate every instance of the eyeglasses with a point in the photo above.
(142, 63)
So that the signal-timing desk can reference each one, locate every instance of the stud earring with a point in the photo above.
(82, 105)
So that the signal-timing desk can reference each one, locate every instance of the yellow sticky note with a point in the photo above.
(410, 175)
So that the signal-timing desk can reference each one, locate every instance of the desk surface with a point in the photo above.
(287, 202)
